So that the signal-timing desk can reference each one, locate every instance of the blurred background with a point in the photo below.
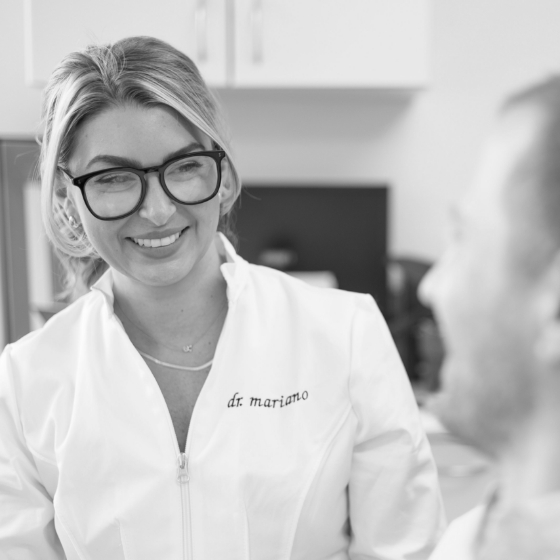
(355, 124)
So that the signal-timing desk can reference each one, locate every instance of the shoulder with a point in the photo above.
(459, 541)
(270, 283)
(351, 321)
(40, 372)
(60, 335)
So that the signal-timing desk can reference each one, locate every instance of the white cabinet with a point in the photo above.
(251, 43)
(331, 43)
(57, 27)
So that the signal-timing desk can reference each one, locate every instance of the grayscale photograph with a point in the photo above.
(279, 280)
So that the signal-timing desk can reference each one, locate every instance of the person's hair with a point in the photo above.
(533, 196)
(141, 71)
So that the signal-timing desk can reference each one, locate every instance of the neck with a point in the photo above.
(530, 466)
(171, 314)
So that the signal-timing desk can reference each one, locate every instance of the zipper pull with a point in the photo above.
(182, 469)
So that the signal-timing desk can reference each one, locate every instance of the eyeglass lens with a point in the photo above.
(115, 193)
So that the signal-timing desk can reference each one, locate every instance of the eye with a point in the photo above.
(115, 178)
(185, 166)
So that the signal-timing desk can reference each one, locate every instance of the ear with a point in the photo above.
(227, 192)
(71, 212)
(69, 207)
(547, 344)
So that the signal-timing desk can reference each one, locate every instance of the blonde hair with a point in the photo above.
(138, 70)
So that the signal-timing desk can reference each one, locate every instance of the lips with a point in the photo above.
(153, 242)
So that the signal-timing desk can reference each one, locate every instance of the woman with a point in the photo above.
(304, 441)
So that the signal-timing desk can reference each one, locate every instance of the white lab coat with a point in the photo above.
(461, 538)
(330, 463)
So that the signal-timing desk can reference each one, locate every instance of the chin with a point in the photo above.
(454, 417)
(158, 275)
(460, 409)
(474, 406)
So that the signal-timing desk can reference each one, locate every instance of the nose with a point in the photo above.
(427, 286)
(157, 206)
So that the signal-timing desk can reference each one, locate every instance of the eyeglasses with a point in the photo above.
(118, 192)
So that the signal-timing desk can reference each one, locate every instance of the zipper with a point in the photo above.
(183, 477)
(182, 469)
(183, 480)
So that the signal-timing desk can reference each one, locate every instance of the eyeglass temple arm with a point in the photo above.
(65, 172)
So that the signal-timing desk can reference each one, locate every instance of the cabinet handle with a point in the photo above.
(257, 23)
(200, 21)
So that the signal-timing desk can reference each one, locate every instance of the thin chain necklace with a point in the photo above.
(186, 348)
(173, 366)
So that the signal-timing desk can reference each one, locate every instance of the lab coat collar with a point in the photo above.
(234, 270)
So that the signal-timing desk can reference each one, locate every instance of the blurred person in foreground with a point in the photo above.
(496, 295)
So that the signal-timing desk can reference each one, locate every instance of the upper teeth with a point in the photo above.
(157, 242)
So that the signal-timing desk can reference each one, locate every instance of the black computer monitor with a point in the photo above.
(342, 229)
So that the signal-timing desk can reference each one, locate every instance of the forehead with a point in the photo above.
(144, 133)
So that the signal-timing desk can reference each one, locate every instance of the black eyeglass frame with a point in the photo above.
(80, 182)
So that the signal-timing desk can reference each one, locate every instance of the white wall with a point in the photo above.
(20, 106)
(425, 146)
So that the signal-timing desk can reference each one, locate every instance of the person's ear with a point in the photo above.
(71, 212)
(547, 347)
(227, 192)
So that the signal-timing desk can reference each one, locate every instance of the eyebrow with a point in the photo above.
(118, 161)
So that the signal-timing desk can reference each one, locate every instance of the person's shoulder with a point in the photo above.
(57, 336)
(321, 308)
(458, 542)
(273, 280)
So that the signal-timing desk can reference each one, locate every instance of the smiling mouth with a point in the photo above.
(162, 242)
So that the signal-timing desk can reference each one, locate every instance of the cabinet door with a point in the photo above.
(331, 43)
(53, 29)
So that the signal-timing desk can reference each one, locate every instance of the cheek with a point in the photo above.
(89, 222)
(101, 238)
(104, 238)
(485, 390)
(454, 297)
(486, 352)
(204, 216)
(472, 289)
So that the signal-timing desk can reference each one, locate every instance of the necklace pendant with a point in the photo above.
(187, 348)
